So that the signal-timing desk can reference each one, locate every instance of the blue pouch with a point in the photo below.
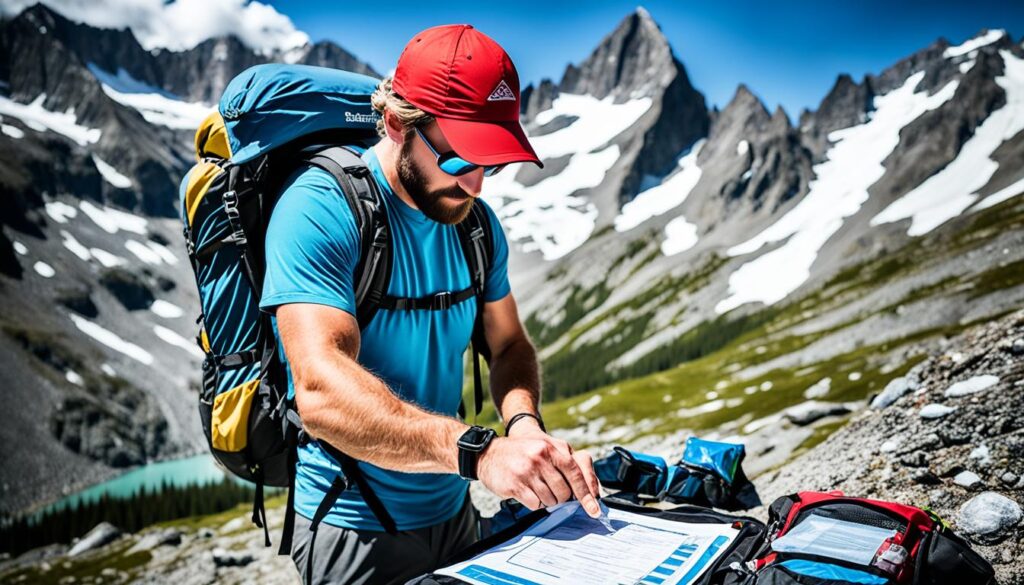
(722, 459)
(634, 473)
(832, 573)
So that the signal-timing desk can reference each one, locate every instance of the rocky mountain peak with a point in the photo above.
(634, 60)
(846, 104)
(746, 108)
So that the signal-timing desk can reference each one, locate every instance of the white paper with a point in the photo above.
(836, 539)
(570, 547)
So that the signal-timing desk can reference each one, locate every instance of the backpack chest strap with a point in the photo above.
(441, 301)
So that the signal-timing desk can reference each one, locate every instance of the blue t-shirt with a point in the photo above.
(312, 250)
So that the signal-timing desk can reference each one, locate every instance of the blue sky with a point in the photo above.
(787, 52)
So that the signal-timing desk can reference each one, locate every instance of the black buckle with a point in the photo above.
(442, 301)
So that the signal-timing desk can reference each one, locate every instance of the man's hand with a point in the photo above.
(539, 470)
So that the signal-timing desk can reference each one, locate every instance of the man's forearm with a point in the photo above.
(345, 405)
(515, 380)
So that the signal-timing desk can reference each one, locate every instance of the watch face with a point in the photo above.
(474, 438)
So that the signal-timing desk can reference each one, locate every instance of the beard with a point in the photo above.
(433, 203)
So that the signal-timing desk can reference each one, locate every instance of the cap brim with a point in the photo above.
(488, 143)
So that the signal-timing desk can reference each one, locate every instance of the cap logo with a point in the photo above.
(502, 92)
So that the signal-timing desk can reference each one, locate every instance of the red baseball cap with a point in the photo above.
(468, 83)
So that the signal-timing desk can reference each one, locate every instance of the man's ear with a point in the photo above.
(394, 128)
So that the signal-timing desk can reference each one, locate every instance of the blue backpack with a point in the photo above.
(272, 121)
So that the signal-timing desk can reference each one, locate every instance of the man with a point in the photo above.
(388, 396)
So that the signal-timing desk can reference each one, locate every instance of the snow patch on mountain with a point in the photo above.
(974, 43)
(151, 252)
(680, 236)
(176, 340)
(112, 221)
(74, 246)
(840, 187)
(598, 122)
(1001, 195)
(110, 174)
(12, 131)
(59, 211)
(106, 259)
(156, 105)
(548, 217)
(43, 269)
(659, 199)
(111, 340)
(162, 308)
(948, 193)
(38, 118)
(142, 252)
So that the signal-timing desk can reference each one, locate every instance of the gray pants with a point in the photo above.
(343, 556)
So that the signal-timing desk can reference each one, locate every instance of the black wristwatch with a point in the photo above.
(471, 444)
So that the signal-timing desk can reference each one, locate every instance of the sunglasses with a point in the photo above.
(453, 164)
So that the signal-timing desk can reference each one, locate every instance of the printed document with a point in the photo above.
(570, 547)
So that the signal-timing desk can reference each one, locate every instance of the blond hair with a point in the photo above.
(385, 98)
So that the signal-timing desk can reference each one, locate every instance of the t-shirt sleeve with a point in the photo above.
(497, 285)
(312, 245)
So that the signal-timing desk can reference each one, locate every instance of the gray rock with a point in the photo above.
(972, 385)
(103, 533)
(967, 479)
(948, 467)
(896, 388)
(988, 516)
(981, 456)
(1009, 478)
(934, 411)
(226, 558)
(1018, 347)
(924, 477)
(151, 540)
(808, 412)
(205, 533)
(820, 389)
(915, 459)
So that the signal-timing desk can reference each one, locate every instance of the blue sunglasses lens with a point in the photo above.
(455, 165)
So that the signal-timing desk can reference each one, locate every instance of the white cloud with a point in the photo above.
(181, 24)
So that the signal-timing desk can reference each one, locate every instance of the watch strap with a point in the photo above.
(468, 458)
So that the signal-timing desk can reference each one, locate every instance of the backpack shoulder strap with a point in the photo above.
(477, 241)
(372, 275)
(373, 272)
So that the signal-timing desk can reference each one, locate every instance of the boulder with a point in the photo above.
(102, 534)
(157, 538)
(896, 388)
(934, 411)
(809, 412)
(988, 517)
(226, 558)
